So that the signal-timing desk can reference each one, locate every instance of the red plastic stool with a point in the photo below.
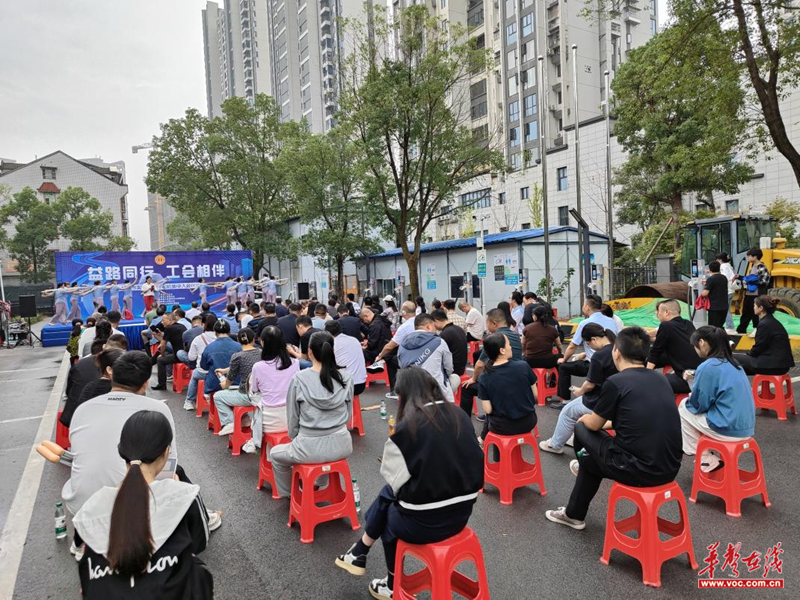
(240, 433)
(457, 395)
(213, 416)
(376, 377)
(154, 349)
(512, 471)
(730, 483)
(62, 433)
(180, 377)
(648, 548)
(542, 389)
(265, 472)
(473, 348)
(304, 506)
(781, 400)
(680, 398)
(667, 370)
(201, 404)
(356, 422)
(440, 575)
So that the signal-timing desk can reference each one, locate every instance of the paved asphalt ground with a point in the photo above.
(254, 555)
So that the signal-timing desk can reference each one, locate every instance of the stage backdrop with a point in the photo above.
(182, 268)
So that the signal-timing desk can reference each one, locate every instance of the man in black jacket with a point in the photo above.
(350, 325)
(288, 325)
(456, 340)
(671, 345)
(380, 332)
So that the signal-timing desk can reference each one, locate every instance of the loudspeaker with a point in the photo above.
(27, 306)
(303, 291)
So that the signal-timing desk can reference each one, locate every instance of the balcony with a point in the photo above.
(632, 17)
(553, 25)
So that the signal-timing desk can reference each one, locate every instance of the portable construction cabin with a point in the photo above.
(514, 260)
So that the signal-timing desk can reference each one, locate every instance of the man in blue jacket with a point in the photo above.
(423, 348)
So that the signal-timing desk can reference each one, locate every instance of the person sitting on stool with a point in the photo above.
(672, 345)
(772, 352)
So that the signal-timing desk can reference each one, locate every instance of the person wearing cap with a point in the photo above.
(390, 312)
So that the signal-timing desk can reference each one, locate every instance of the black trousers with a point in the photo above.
(578, 368)
(392, 366)
(596, 466)
(468, 398)
(749, 365)
(678, 384)
(472, 338)
(359, 388)
(748, 314)
(503, 426)
(716, 318)
(163, 361)
(385, 520)
(551, 362)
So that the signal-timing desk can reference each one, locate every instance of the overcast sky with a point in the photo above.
(95, 77)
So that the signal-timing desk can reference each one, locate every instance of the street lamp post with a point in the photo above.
(610, 204)
(543, 158)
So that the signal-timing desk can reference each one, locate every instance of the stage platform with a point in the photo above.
(58, 335)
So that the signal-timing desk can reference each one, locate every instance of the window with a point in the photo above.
(513, 136)
(529, 78)
(524, 193)
(560, 125)
(511, 7)
(731, 206)
(501, 198)
(511, 33)
(559, 98)
(563, 216)
(653, 6)
(532, 131)
(511, 59)
(513, 111)
(530, 105)
(477, 96)
(558, 70)
(561, 179)
(516, 161)
(527, 24)
(526, 225)
(478, 198)
(700, 207)
(503, 229)
(49, 173)
(528, 51)
(481, 135)
(531, 156)
(444, 4)
(653, 26)
(513, 87)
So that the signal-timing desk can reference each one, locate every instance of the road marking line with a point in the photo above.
(31, 369)
(15, 531)
(21, 419)
(795, 379)
(25, 380)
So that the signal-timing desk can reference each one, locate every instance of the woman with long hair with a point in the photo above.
(506, 308)
(105, 362)
(726, 268)
(390, 312)
(540, 338)
(601, 367)
(433, 467)
(319, 404)
(60, 303)
(269, 383)
(772, 352)
(143, 537)
(420, 302)
(721, 404)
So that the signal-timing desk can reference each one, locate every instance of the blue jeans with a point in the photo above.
(569, 415)
(305, 364)
(191, 394)
(729, 314)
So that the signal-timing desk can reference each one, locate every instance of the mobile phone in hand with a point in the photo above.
(168, 472)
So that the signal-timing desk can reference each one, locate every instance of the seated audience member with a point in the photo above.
(281, 308)
(288, 325)
(234, 383)
(580, 367)
(206, 311)
(349, 355)
(601, 367)
(517, 311)
(270, 316)
(217, 355)
(646, 450)
(456, 340)
(117, 340)
(319, 317)
(529, 302)
(423, 348)
(474, 322)
(506, 389)
(74, 337)
(230, 318)
(421, 308)
(253, 314)
(716, 290)
(143, 536)
(379, 332)
(772, 352)
(193, 311)
(436, 305)
(609, 312)
(672, 345)
(540, 338)
(495, 323)
(147, 333)
(433, 467)
(172, 337)
(350, 324)
(80, 375)
(452, 316)
(721, 403)
(101, 331)
(104, 361)
(390, 313)
(180, 315)
(351, 298)
(199, 344)
(319, 405)
(389, 352)
(270, 380)
(305, 330)
(188, 337)
(333, 302)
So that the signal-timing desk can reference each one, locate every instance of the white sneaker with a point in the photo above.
(574, 466)
(77, 551)
(214, 519)
(731, 332)
(379, 589)
(545, 445)
(570, 440)
(249, 447)
(189, 405)
(226, 430)
(391, 396)
(169, 378)
(560, 516)
(752, 334)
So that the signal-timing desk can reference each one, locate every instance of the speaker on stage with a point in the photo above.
(27, 306)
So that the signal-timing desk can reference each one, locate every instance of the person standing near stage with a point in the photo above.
(230, 286)
(148, 293)
(127, 299)
(60, 293)
(114, 290)
(75, 291)
(97, 294)
(271, 289)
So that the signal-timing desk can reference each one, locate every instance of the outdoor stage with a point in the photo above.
(58, 335)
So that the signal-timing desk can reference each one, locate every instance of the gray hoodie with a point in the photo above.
(427, 350)
(312, 409)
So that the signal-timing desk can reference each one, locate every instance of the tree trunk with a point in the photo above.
(412, 260)
(340, 277)
(676, 203)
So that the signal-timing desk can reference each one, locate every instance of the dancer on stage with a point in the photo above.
(98, 290)
(148, 294)
(113, 288)
(202, 288)
(231, 285)
(75, 292)
(127, 299)
(249, 290)
(158, 286)
(60, 293)
(269, 287)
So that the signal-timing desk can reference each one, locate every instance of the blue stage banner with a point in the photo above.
(180, 269)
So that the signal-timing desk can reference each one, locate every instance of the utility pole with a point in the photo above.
(610, 204)
(581, 231)
(543, 158)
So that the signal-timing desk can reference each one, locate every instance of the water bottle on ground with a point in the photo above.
(383, 410)
(356, 495)
(61, 522)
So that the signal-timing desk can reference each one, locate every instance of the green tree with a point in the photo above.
(83, 221)
(325, 175)
(36, 227)
(788, 215)
(406, 98)
(679, 119)
(229, 176)
(535, 202)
